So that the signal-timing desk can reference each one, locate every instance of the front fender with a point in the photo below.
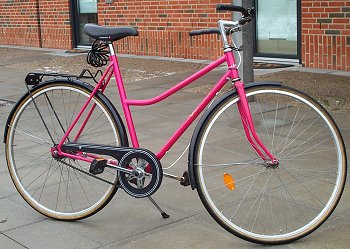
(197, 130)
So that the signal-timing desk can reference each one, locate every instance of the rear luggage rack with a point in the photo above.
(33, 79)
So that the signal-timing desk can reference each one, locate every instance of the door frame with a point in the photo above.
(298, 55)
(74, 16)
(75, 23)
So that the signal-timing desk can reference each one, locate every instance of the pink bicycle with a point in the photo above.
(268, 161)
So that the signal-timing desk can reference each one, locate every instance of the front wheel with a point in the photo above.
(260, 203)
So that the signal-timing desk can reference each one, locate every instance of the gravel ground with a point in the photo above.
(132, 69)
(332, 91)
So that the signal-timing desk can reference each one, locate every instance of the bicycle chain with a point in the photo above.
(89, 174)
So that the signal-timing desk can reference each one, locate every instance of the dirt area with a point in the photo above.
(331, 90)
(132, 69)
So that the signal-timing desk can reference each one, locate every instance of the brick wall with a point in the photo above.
(164, 25)
(19, 23)
(56, 24)
(326, 34)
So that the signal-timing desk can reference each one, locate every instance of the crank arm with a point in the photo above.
(174, 177)
(129, 171)
(184, 179)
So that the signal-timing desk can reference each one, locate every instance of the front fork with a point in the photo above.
(249, 128)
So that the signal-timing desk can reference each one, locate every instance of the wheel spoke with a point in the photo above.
(269, 203)
(60, 188)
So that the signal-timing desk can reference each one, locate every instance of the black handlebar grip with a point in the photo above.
(204, 32)
(242, 21)
(231, 7)
(207, 32)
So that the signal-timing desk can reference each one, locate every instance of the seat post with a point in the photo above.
(111, 48)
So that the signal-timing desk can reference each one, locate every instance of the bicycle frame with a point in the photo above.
(231, 75)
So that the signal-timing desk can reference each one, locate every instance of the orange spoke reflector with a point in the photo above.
(229, 182)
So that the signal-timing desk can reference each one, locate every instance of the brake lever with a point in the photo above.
(249, 17)
(251, 12)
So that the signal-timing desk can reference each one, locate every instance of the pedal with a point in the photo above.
(98, 166)
(185, 179)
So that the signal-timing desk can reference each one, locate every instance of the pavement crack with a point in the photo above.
(29, 224)
(15, 241)
(141, 234)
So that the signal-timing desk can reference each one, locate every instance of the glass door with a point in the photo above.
(85, 11)
(277, 28)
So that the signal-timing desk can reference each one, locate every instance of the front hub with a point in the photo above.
(271, 164)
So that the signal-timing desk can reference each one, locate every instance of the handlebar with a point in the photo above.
(207, 32)
(247, 16)
(231, 7)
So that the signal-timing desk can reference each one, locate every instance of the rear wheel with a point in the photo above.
(58, 187)
(258, 202)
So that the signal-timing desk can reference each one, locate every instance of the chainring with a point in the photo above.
(146, 176)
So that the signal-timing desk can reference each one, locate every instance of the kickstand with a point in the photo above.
(164, 214)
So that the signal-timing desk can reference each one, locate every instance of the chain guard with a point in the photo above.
(146, 176)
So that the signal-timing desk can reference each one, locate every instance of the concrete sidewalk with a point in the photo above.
(127, 222)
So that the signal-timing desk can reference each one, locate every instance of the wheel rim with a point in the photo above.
(285, 232)
(77, 195)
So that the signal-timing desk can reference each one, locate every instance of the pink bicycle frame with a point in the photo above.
(230, 75)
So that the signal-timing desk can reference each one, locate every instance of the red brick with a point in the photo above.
(337, 3)
(329, 45)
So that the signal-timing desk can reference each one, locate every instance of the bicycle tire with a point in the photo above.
(56, 188)
(269, 205)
